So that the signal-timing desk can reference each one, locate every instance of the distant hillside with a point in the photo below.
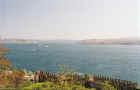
(35, 41)
(124, 41)
(18, 41)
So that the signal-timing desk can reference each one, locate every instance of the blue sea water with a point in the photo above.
(120, 61)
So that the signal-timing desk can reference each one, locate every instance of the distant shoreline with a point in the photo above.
(123, 41)
(111, 41)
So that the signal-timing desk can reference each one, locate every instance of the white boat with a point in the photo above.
(46, 46)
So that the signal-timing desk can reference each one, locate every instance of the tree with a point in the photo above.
(5, 64)
(17, 78)
(86, 76)
(4, 78)
(2, 51)
(64, 69)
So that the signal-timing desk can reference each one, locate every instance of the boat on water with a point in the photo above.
(46, 46)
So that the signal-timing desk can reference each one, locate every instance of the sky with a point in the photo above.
(69, 19)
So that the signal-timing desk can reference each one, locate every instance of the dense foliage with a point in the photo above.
(9, 78)
(65, 86)
(54, 86)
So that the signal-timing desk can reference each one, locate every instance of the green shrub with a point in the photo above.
(54, 86)
(26, 84)
(107, 86)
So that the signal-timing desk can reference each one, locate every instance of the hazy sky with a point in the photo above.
(69, 19)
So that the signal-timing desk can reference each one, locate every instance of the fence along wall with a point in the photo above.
(117, 83)
(41, 76)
